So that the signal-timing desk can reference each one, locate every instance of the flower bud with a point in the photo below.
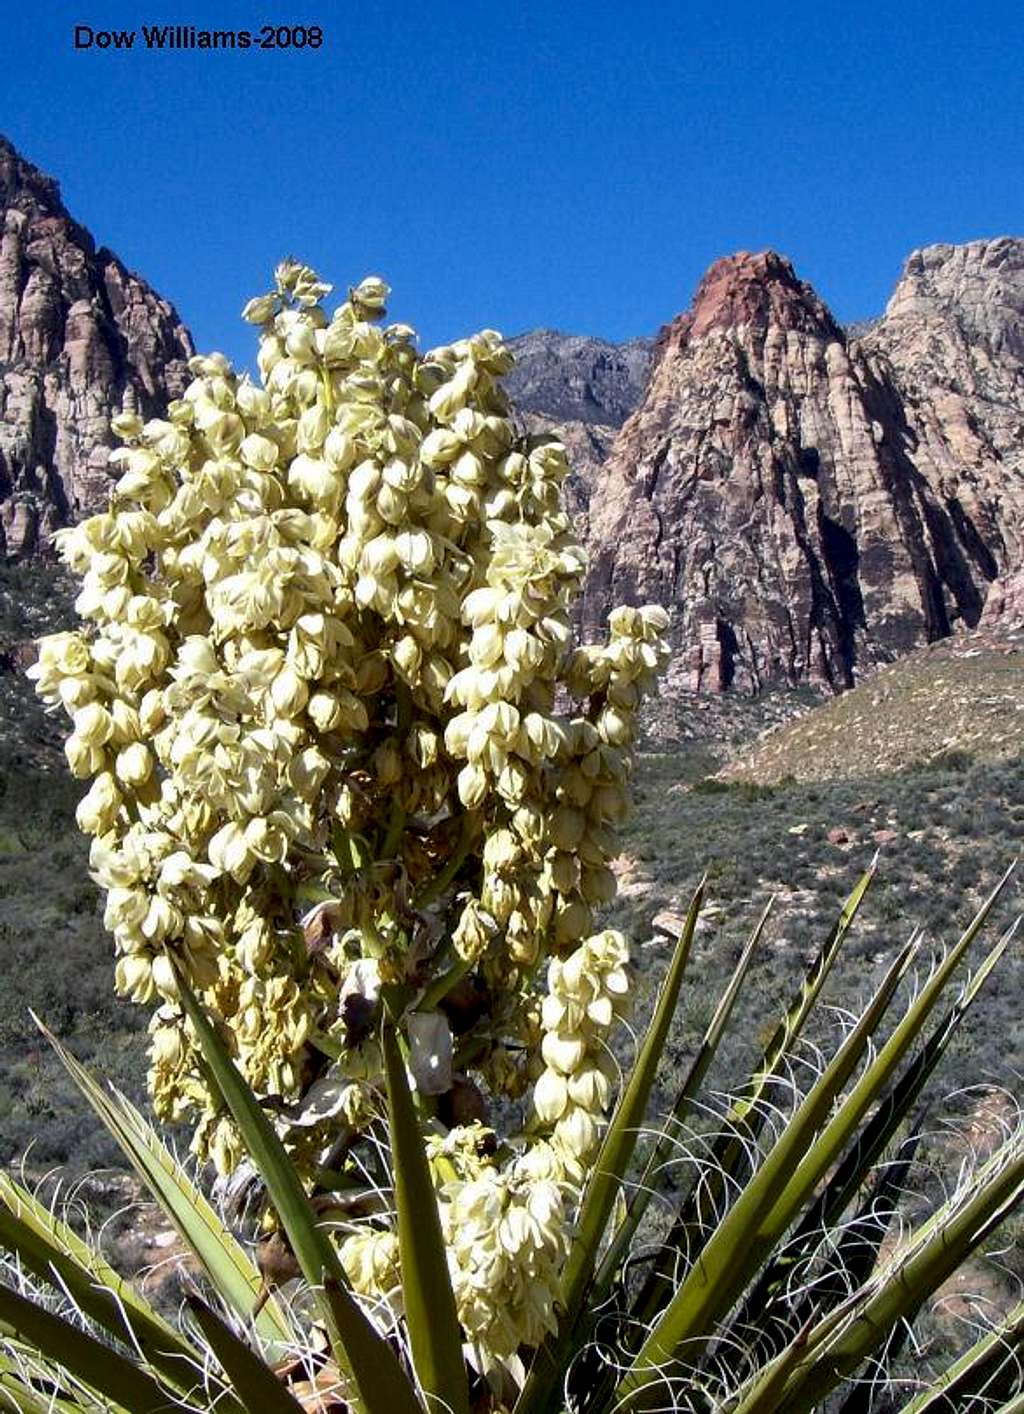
(473, 932)
(134, 764)
(370, 296)
(598, 885)
(415, 551)
(439, 447)
(563, 1052)
(550, 1097)
(512, 782)
(325, 711)
(93, 724)
(164, 979)
(98, 809)
(288, 692)
(167, 1047)
(406, 656)
(314, 424)
(573, 919)
(576, 1132)
(387, 763)
(126, 425)
(615, 726)
(133, 977)
(565, 872)
(83, 759)
(258, 452)
(423, 746)
(590, 1088)
(472, 785)
(261, 310)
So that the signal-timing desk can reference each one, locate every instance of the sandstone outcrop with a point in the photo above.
(1004, 607)
(809, 505)
(81, 339)
(952, 340)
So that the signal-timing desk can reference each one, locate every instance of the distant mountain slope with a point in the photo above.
(962, 695)
(571, 378)
(81, 338)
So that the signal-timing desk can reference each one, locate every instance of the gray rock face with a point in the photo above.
(81, 339)
(570, 378)
(807, 505)
(952, 341)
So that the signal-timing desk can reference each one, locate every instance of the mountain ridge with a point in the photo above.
(81, 339)
(809, 501)
(809, 506)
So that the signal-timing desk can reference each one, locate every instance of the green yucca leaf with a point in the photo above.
(38, 1237)
(763, 1393)
(392, 1392)
(894, 1109)
(381, 1385)
(258, 1388)
(852, 1172)
(728, 1158)
(766, 1322)
(802, 1004)
(430, 1313)
(223, 1258)
(736, 1250)
(690, 1088)
(987, 1370)
(619, 1246)
(619, 1142)
(896, 1291)
(609, 1170)
(82, 1355)
(16, 1397)
(865, 1093)
(877, 1075)
(53, 1253)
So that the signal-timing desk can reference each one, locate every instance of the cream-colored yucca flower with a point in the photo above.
(339, 738)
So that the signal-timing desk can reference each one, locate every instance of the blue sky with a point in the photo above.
(573, 165)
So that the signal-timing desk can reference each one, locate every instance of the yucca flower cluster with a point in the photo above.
(325, 695)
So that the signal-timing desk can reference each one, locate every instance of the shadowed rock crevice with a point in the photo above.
(842, 559)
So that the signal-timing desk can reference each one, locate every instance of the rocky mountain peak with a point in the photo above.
(807, 502)
(22, 185)
(978, 286)
(756, 290)
(805, 505)
(81, 338)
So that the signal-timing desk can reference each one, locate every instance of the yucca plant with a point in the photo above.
(356, 791)
(783, 1278)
